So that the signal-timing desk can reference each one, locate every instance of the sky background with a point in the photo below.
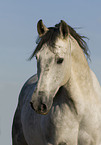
(18, 33)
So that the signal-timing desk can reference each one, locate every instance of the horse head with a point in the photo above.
(53, 64)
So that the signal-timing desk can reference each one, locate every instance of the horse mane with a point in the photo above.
(51, 36)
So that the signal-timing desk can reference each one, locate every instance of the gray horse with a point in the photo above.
(61, 105)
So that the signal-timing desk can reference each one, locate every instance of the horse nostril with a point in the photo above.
(43, 107)
(32, 105)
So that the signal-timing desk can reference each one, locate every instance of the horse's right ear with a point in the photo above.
(41, 28)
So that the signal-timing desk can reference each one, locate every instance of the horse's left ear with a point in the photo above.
(41, 28)
(63, 29)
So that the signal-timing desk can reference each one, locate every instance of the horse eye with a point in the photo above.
(59, 60)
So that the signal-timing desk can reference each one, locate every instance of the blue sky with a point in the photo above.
(18, 20)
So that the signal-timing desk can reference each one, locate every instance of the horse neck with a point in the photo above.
(80, 78)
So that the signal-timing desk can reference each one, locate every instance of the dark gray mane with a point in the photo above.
(51, 36)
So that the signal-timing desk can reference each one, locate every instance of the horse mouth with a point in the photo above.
(43, 113)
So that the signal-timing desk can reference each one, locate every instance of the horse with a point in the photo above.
(61, 104)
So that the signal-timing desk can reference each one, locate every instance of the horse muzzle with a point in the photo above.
(41, 104)
(40, 109)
